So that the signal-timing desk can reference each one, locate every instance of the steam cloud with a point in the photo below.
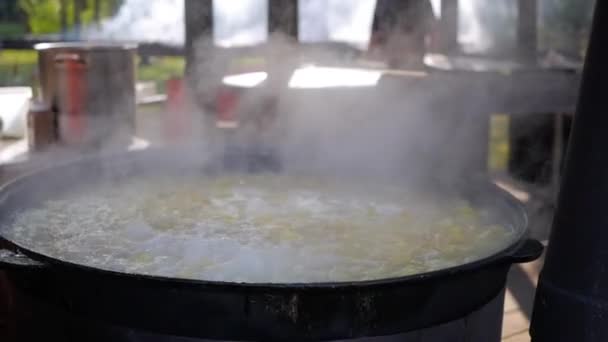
(386, 129)
(486, 25)
(143, 20)
(242, 22)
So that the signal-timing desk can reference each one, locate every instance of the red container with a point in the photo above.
(227, 105)
(72, 118)
(178, 120)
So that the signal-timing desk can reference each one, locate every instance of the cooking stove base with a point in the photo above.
(33, 321)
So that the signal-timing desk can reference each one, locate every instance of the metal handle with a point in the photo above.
(15, 260)
(529, 251)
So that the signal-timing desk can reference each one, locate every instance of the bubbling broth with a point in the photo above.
(262, 228)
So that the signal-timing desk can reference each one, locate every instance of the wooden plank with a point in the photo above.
(522, 337)
(511, 303)
(514, 323)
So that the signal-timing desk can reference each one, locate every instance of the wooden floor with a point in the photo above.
(523, 279)
(519, 301)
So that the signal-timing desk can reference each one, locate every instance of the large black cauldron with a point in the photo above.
(233, 311)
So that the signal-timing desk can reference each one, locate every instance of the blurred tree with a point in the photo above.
(50, 16)
(63, 16)
(8, 10)
(12, 18)
(96, 11)
(42, 15)
(79, 7)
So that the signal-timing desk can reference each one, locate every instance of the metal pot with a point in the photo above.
(239, 311)
(91, 87)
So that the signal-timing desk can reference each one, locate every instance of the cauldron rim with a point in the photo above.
(504, 255)
(250, 311)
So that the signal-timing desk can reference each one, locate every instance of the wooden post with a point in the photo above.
(527, 30)
(283, 17)
(114, 6)
(570, 302)
(63, 17)
(202, 70)
(96, 12)
(78, 7)
(199, 25)
(449, 26)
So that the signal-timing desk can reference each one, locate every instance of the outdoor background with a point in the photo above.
(485, 26)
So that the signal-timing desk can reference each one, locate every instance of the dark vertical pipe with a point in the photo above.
(199, 28)
(283, 17)
(572, 296)
(527, 30)
(449, 26)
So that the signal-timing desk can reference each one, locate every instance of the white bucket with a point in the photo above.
(14, 105)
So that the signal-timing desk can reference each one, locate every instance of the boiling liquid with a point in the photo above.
(259, 229)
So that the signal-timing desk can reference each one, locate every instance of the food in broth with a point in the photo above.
(259, 229)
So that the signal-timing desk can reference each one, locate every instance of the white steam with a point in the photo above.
(487, 25)
(336, 20)
(143, 20)
(483, 24)
(237, 23)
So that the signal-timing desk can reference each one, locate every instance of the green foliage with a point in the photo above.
(11, 57)
(18, 67)
(11, 29)
(161, 69)
(44, 16)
